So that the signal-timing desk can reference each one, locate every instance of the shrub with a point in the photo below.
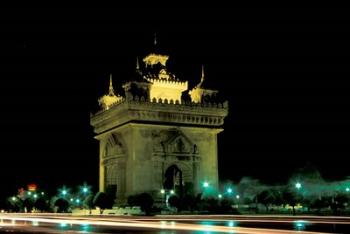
(144, 200)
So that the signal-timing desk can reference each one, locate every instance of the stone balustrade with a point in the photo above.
(166, 111)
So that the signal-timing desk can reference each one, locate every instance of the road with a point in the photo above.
(56, 223)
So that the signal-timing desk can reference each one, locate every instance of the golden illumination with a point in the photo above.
(153, 59)
(198, 92)
(109, 99)
(167, 90)
(139, 126)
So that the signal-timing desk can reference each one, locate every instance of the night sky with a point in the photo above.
(284, 72)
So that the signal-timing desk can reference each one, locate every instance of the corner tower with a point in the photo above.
(151, 139)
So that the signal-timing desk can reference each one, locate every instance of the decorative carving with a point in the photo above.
(113, 146)
(172, 142)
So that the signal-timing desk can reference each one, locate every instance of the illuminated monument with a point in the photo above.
(159, 134)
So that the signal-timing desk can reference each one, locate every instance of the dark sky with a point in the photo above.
(284, 73)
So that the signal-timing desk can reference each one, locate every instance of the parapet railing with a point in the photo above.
(154, 102)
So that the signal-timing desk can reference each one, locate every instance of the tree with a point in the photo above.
(102, 201)
(277, 196)
(41, 204)
(15, 204)
(144, 200)
(88, 202)
(290, 198)
(318, 204)
(266, 198)
(338, 202)
(28, 204)
(225, 206)
(62, 205)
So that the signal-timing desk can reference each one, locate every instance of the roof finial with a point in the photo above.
(202, 78)
(137, 63)
(111, 90)
(155, 38)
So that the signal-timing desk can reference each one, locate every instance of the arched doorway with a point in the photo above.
(174, 180)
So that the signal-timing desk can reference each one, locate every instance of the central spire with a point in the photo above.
(111, 90)
(155, 38)
(155, 56)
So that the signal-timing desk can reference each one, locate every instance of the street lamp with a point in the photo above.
(85, 189)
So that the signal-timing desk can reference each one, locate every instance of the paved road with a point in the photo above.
(51, 223)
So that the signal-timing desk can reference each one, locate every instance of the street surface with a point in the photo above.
(172, 224)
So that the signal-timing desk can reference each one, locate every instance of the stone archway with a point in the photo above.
(174, 179)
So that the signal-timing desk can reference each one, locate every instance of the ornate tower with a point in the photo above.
(152, 139)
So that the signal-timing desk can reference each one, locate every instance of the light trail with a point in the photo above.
(266, 219)
(155, 225)
(325, 221)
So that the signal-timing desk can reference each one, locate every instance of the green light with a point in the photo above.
(64, 192)
(85, 228)
(229, 190)
(29, 193)
(300, 225)
(35, 195)
(162, 191)
(231, 224)
(172, 192)
(77, 201)
(219, 196)
(85, 190)
(71, 199)
(205, 184)
(298, 185)
(347, 189)
(237, 196)
(14, 198)
(63, 224)
(42, 193)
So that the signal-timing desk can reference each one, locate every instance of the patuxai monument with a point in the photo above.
(160, 135)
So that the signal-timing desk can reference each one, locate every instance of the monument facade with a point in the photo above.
(158, 135)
